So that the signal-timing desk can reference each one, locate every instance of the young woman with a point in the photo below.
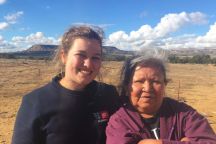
(73, 108)
(148, 117)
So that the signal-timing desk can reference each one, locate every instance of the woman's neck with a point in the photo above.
(70, 85)
(147, 115)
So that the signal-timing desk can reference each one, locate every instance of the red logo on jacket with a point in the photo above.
(101, 116)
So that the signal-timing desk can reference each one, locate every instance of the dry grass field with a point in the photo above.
(195, 84)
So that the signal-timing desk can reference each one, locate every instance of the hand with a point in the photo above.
(150, 141)
(185, 139)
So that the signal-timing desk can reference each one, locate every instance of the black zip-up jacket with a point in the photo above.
(53, 114)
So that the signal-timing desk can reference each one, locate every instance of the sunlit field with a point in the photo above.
(193, 84)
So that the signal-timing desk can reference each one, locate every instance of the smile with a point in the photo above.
(147, 97)
(85, 72)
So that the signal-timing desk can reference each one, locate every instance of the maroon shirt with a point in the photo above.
(177, 120)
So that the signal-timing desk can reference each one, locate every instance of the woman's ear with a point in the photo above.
(63, 56)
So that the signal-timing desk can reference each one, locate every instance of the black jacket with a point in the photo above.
(56, 115)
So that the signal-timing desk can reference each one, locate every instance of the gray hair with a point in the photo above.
(148, 58)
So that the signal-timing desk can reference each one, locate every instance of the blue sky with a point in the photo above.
(128, 24)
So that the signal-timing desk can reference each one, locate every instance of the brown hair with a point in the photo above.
(80, 32)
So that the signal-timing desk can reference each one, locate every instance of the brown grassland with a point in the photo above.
(194, 84)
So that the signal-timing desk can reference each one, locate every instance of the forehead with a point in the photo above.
(143, 71)
(86, 44)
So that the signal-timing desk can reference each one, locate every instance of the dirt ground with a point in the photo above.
(194, 84)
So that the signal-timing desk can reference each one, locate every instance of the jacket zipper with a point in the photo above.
(170, 133)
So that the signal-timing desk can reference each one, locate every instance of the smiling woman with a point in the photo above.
(148, 116)
(147, 88)
(82, 63)
(73, 108)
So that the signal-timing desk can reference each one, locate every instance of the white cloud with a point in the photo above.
(12, 18)
(210, 36)
(172, 22)
(191, 41)
(5, 46)
(19, 43)
(8, 47)
(2, 1)
(148, 36)
(198, 18)
(3, 25)
(145, 37)
(35, 38)
(184, 41)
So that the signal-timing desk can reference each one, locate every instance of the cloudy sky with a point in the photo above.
(128, 24)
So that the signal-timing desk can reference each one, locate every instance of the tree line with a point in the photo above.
(197, 59)
(106, 57)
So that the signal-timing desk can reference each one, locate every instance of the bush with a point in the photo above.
(197, 59)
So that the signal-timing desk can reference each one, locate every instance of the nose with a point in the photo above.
(88, 63)
(147, 86)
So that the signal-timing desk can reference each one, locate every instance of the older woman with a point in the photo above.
(148, 117)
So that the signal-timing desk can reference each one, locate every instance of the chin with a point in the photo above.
(146, 109)
(85, 82)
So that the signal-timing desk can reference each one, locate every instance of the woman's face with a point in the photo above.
(82, 63)
(147, 88)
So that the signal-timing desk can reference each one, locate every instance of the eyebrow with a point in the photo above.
(97, 54)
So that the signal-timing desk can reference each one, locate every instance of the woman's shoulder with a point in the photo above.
(124, 119)
(47, 89)
(105, 85)
(173, 105)
(41, 99)
(125, 111)
(38, 93)
(104, 89)
(118, 116)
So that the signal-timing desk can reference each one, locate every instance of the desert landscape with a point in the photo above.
(193, 84)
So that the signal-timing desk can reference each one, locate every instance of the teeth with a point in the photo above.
(85, 72)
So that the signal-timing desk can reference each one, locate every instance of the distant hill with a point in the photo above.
(109, 52)
(44, 48)
(114, 50)
(35, 52)
(48, 51)
(113, 53)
